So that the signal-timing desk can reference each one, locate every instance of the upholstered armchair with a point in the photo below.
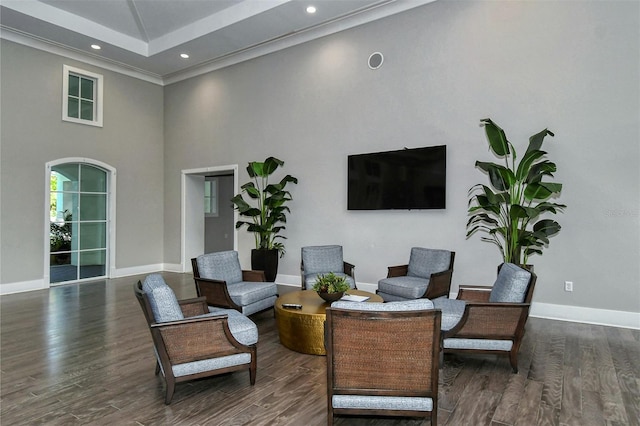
(485, 319)
(189, 341)
(382, 359)
(427, 275)
(224, 284)
(319, 260)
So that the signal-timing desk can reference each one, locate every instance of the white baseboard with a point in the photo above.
(580, 314)
(21, 287)
(137, 270)
(294, 281)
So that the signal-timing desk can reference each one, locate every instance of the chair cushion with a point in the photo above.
(310, 279)
(223, 266)
(366, 402)
(392, 297)
(245, 293)
(242, 328)
(322, 259)
(260, 305)
(452, 311)
(410, 305)
(196, 367)
(423, 262)
(163, 301)
(511, 285)
(407, 287)
(478, 344)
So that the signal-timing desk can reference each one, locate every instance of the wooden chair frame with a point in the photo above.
(491, 320)
(439, 283)
(360, 360)
(347, 268)
(193, 339)
(215, 291)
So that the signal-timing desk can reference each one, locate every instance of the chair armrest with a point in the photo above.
(397, 271)
(253, 276)
(474, 293)
(491, 321)
(439, 284)
(197, 339)
(216, 293)
(193, 307)
(348, 269)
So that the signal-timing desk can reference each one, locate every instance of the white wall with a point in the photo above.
(568, 66)
(33, 133)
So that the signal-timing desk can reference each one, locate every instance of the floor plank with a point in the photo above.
(82, 354)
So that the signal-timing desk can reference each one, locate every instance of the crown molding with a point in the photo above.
(66, 52)
(261, 49)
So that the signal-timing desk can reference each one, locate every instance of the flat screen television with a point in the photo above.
(405, 179)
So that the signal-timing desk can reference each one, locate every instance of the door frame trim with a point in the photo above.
(185, 260)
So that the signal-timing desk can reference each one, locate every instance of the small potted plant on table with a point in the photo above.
(330, 286)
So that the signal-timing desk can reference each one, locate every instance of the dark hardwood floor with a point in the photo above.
(82, 354)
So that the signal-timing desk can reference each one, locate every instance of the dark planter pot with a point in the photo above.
(528, 267)
(331, 297)
(265, 260)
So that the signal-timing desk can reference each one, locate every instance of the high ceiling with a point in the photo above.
(148, 36)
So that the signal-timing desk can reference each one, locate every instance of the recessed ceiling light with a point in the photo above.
(311, 9)
(184, 56)
(96, 46)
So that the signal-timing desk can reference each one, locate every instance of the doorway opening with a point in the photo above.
(208, 217)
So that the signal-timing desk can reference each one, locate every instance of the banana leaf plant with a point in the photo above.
(509, 211)
(268, 214)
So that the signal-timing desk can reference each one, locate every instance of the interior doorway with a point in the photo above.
(208, 216)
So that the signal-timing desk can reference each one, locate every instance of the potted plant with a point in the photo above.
(330, 286)
(510, 210)
(266, 218)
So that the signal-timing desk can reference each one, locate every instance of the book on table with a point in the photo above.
(354, 298)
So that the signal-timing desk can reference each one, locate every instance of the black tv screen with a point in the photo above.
(403, 179)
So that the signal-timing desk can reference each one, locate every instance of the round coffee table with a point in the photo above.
(302, 330)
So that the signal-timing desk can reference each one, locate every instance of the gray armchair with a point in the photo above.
(189, 341)
(319, 260)
(382, 359)
(427, 275)
(224, 284)
(489, 320)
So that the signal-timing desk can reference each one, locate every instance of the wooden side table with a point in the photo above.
(302, 330)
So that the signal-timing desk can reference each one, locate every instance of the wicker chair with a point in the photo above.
(224, 284)
(427, 275)
(189, 341)
(484, 319)
(382, 359)
(318, 260)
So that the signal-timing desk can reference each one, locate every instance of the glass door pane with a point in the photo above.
(78, 231)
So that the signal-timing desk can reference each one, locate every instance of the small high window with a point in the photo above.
(82, 96)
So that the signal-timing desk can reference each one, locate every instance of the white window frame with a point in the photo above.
(211, 198)
(98, 92)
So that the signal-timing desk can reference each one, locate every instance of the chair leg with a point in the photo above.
(513, 360)
(157, 368)
(253, 367)
(171, 387)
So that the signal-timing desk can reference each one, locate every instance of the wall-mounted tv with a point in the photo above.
(404, 179)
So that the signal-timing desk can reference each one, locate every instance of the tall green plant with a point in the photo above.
(267, 217)
(509, 211)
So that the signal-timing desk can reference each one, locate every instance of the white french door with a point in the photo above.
(79, 222)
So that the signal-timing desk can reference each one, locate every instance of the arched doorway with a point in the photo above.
(79, 220)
